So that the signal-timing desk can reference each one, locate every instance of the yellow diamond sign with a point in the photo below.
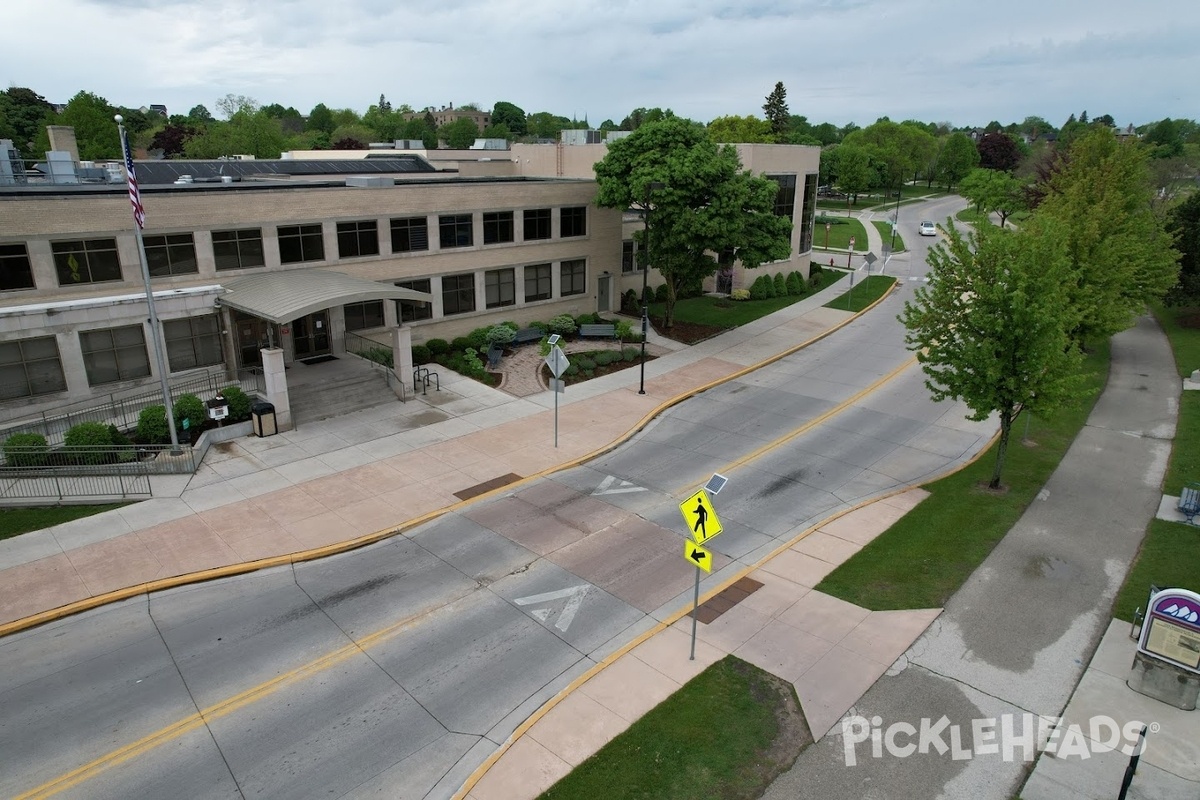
(697, 556)
(699, 517)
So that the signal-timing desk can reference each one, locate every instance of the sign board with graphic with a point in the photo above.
(697, 556)
(698, 515)
(1171, 630)
(557, 361)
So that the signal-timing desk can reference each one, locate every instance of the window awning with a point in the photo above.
(281, 297)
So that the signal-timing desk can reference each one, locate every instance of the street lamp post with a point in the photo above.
(651, 187)
(895, 222)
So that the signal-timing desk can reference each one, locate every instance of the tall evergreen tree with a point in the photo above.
(776, 111)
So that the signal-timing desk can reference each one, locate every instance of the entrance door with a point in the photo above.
(602, 294)
(253, 334)
(310, 335)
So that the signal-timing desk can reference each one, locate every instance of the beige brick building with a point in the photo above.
(513, 235)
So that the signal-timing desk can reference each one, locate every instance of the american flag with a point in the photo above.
(135, 197)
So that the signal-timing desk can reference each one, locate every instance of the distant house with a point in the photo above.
(1126, 133)
(448, 114)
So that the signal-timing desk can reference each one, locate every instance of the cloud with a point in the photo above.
(840, 61)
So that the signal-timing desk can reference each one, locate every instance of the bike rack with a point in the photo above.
(422, 376)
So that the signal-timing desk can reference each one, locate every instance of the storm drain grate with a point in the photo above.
(726, 599)
(487, 486)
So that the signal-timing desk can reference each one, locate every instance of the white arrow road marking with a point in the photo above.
(606, 486)
(574, 597)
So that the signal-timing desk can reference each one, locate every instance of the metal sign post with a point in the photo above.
(558, 363)
(701, 518)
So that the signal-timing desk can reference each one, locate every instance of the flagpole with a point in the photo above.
(139, 216)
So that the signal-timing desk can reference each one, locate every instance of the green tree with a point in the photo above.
(505, 113)
(991, 328)
(200, 115)
(1121, 254)
(95, 130)
(23, 115)
(459, 134)
(320, 119)
(958, 156)
(231, 104)
(246, 132)
(707, 205)
(640, 116)
(993, 191)
(854, 172)
(351, 137)
(776, 111)
(1184, 227)
(289, 118)
(998, 151)
(345, 116)
(497, 130)
(383, 123)
(740, 129)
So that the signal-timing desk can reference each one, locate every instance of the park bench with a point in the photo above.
(526, 335)
(598, 331)
(1189, 502)
(494, 353)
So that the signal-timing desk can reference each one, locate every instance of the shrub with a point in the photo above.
(606, 357)
(544, 346)
(152, 425)
(563, 325)
(795, 285)
(500, 335)
(116, 438)
(660, 293)
(587, 319)
(421, 354)
(239, 403)
(815, 280)
(472, 363)
(629, 302)
(478, 338)
(544, 327)
(814, 268)
(780, 284)
(739, 294)
(26, 450)
(625, 331)
(191, 408)
(630, 353)
(94, 435)
(648, 295)
(460, 343)
(438, 347)
(586, 364)
(572, 369)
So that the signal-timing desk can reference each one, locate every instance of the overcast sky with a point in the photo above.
(960, 61)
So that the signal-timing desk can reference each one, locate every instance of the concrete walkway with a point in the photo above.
(335, 483)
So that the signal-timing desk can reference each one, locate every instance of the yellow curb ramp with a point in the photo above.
(241, 568)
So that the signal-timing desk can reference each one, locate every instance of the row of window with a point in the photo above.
(31, 367)
(97, 261)
(499, 290)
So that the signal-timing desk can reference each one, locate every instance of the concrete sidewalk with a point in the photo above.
(332, 484)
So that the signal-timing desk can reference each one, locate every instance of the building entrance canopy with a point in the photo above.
(281, 297)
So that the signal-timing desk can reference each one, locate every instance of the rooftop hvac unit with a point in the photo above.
(12, 169)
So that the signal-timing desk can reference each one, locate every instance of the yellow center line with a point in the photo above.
(214, 712)
(806, 427)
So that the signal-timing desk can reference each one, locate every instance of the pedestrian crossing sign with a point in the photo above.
(698, 515)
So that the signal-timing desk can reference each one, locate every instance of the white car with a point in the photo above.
(928, 228)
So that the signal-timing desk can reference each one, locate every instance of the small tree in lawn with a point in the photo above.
(707, 204)
(992, 328)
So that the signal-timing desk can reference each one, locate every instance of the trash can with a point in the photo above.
(262, 415)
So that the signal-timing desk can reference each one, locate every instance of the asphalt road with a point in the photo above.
(395, 670)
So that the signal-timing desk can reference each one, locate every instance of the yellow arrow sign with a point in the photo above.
(699, 517)
(697, 556)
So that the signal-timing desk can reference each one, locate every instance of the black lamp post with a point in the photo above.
(895, 219)
(651, 187)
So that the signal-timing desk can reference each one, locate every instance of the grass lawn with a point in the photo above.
(926, 556)
(727, 733)
(1170, 553)
(721, 312)
(864, 292)
(840, 232)
(885, 230)
(15, 521)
